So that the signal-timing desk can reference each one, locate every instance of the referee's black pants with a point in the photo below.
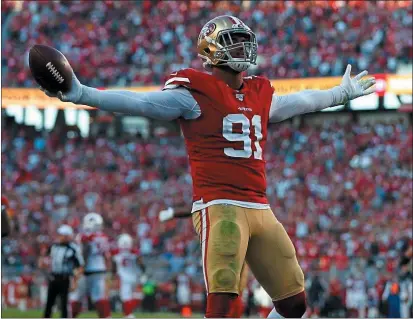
(58, 286)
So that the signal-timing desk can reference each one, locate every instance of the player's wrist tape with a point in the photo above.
(340, 96)
(89, 96)
(167, 214)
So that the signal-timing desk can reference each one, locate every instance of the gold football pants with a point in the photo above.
(231, 235)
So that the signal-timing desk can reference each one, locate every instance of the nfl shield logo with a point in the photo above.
(239, 97)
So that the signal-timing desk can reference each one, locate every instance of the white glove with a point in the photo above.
(72, 96)
(166, 215)
(356, 87)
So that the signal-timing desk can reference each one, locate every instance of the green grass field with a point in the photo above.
(15, 313)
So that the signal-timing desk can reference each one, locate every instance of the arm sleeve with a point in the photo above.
(182, 213)
(161, 105)
(307, 101)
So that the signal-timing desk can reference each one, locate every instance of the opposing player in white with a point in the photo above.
(128, 265)
(95, 245)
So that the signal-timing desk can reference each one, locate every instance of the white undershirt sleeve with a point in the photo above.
(307, 101)
(160, 105)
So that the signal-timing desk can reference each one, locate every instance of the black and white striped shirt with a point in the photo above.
(65, 258)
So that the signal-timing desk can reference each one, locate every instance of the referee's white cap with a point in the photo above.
(65, 230)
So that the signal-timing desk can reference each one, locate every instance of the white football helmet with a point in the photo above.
(92, 222)
(125, 241)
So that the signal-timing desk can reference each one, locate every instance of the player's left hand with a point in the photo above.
(356, 86)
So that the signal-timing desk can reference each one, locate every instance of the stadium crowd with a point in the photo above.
(343, 192)
(125, 43)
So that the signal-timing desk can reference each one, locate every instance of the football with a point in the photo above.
(50, 68)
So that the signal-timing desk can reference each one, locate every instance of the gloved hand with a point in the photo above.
(72, 96)
(166, 215)
(356, 86)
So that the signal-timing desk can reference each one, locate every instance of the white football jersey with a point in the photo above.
(97, 248)
(127, 264)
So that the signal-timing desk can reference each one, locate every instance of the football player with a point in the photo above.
(224, 118)
(127, 264)
(95, 246)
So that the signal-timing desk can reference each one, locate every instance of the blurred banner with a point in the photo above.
(399, 84)
(386, 83)
(33, 97)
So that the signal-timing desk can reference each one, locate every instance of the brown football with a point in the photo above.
(50, 68)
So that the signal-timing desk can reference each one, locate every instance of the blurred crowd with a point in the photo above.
(342, 191)
(123, 43)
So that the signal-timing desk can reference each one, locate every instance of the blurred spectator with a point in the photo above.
(372, 303)
(149, 295)
(406, 295)
(334, 304)
(356, 296)
(262, 301)
(183, 292)
(392, 296)
(316, 293)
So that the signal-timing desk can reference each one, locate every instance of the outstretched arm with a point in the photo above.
(170, 213)
(160, 105)
(307, 101)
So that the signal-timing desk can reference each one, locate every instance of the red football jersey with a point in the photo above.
(226, 143)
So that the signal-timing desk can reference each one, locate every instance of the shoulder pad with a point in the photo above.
(260, 84)
(189, 78)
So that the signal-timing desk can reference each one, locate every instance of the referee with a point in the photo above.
(65, 258)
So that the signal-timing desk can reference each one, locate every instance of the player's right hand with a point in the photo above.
(166, 214)
(71, 96)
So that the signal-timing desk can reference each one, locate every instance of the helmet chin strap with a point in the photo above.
(239, 67)
(236, 66)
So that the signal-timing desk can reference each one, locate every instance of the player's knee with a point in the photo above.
(224, 280)
(292, 307)
(226, 238)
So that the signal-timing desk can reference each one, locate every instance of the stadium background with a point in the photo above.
(340, 181)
